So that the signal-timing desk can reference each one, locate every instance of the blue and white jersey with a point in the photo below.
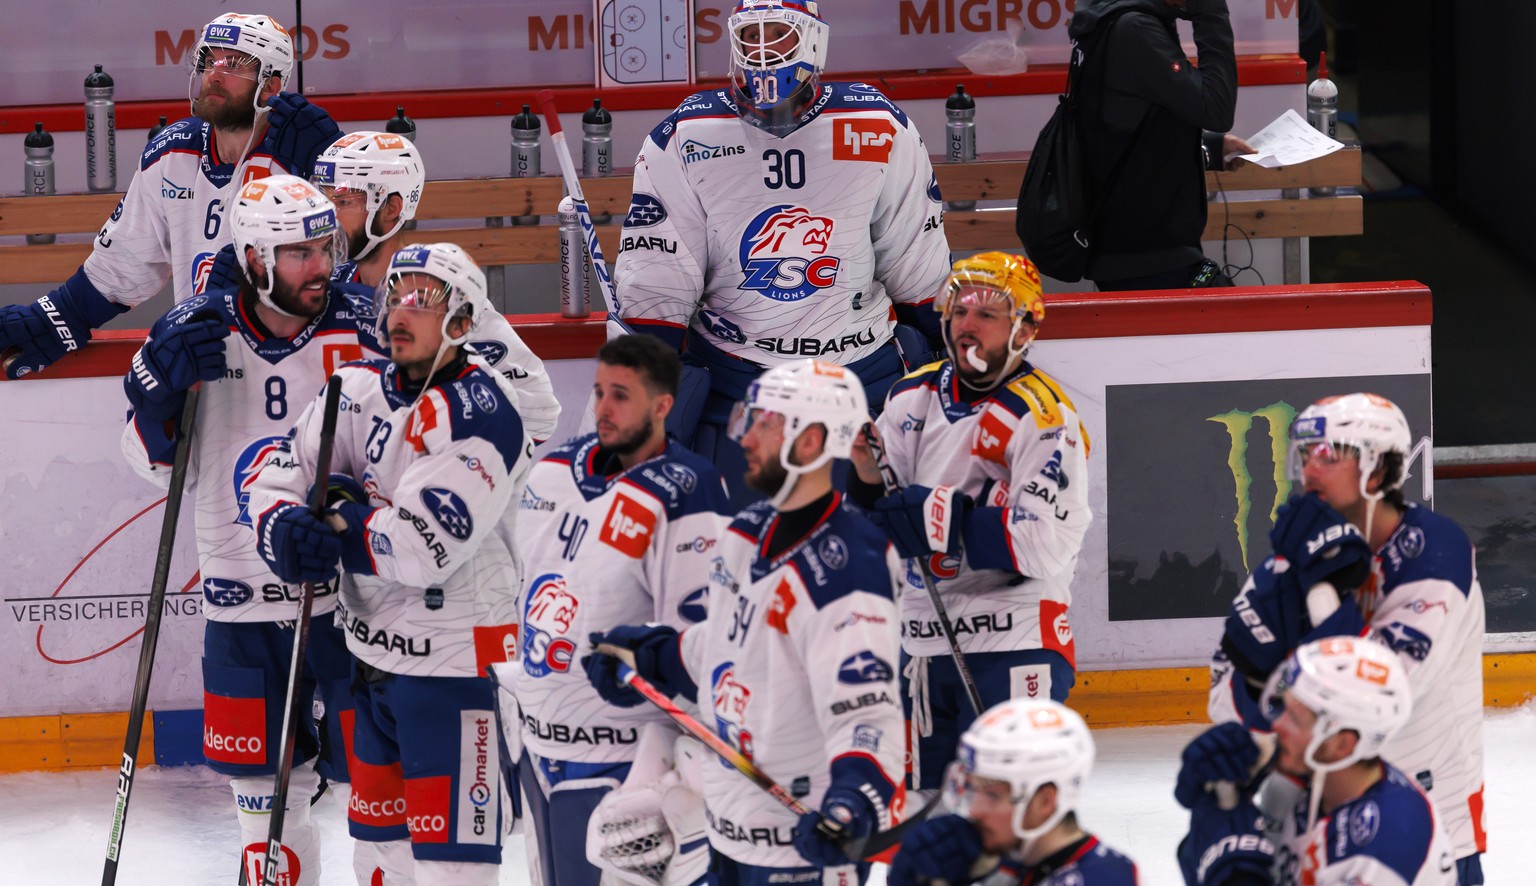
(796, 667)
(243, 419)
(606, 549)
(1423, 600)
(1390, 835)
(171, 222)
(430, 583)
(1087, 862)
(779, 248)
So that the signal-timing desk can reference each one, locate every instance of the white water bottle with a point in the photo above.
(1323, 111)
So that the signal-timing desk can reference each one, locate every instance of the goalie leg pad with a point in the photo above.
(559, 798)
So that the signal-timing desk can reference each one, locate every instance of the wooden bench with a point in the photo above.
(1288, 217)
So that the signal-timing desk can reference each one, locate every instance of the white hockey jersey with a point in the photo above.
(494, 339)
(242, 420)
(778, 248)
(1388, 836)
(604, 550)
(1021, 454)
(171, 221)
(796, 668)
(1424, 601)
(430, 586)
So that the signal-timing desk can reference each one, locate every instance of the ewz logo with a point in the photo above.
(783, 254)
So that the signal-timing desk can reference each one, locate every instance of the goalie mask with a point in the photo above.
(372, 165)
(264, 47)
(1350, 683)
(993, 281)
(778, 51)
(1023, 744)
(806, 392)
(280, 210)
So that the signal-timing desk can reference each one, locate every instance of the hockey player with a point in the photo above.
(436, 456)
(259, 351)
(376, 180)
(794, 665)
(995, 446)
(1337, 813)
(1400, 572)
(781, 217)
(171, 221)
(618, 527)
(1014, 788)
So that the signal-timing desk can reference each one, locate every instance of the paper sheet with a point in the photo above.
(1287, 141)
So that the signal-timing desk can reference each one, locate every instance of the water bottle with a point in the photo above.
(597, 147)
(402, 125)
(574, 299)
(525, 154)
(156, 129)
(405, 127)
(961, 111)
(1323, 111)
(100, 133)
(39, 180)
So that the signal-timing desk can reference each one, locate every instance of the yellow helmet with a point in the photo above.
(1012, 276)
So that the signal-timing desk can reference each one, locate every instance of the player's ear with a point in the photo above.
(272, 87)
(661, 407)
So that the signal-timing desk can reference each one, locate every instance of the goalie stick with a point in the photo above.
(293, 704)
(893, 486)
(126, 769)
(856, 848)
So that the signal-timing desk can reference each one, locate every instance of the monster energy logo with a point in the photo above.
(1277, 417)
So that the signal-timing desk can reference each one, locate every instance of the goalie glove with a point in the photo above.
(651, 835)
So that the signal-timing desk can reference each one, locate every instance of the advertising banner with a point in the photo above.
(353, 46)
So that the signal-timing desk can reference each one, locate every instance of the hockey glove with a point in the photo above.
(52, 326)
(298, 131)
(1320, 544)
(172, 361)
(658, 658)
(1268, 620)
(297, 545)
(921, 521)
(225, 273)
(946, 848)
(845, 812)
(1226, 847)
(1222, 753)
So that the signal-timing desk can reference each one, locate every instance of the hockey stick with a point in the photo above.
(293, 703)
(893, 486)
(546, 102)
(126, 770)
(856, 848)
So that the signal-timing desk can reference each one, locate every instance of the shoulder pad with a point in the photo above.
(863, 97)
(1391, 822)
(924, 376)
(682, 481)
(845, 554)
(188, 134)
(752, 519)
(713, 103)
(1038, 393)
(1427, 546)
(478, 407)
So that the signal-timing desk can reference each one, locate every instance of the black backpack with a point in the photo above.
(1056, 213)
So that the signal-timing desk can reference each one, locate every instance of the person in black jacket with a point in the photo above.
(1144, 101)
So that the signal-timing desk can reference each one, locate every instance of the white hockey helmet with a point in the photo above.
(462, 287)
(806, 392)
(258, 36)
(1349, 683)
(1027, 744)
(1002, 277)
(280, 210)
(776, 80)
(1370, 424)
(377, 164)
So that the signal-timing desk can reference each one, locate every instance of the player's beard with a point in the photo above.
(287, 297)
(630, 443)
(769, 477)
(231, 112)
(356, 243)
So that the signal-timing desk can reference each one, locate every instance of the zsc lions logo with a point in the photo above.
(246, 465)
(547, 619)
(730, 700)
(449, 510)
(783, 254)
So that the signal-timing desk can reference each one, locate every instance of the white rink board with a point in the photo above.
(67, 490)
